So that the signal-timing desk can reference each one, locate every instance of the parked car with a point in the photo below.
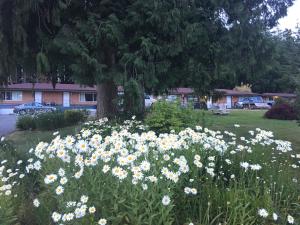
(270, 102)
(200, 105)
(32, 107)
(171, 98)
(255, 102)
(149, 100)
(49, 104)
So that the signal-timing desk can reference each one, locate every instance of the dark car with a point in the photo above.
(200, 105)
(33, 107)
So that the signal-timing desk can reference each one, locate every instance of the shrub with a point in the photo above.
(282, 111)
(26, 123)
(133, 98)
(297, 105)
(165, 116)
(72, 117)
(279, 101)
(50, 121)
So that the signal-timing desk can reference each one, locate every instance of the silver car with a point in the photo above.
(32, 108)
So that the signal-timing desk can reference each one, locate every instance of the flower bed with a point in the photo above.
(126, 174)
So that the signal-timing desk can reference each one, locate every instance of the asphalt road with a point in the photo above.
(7, 124)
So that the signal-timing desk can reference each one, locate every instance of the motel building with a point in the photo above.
(63, 95)
(76, 96)
(230, 97)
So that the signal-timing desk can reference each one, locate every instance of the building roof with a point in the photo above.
(243, 93)
(284, 95)
(182, 90)
(49, 87)
(85, 88)
(236, 93)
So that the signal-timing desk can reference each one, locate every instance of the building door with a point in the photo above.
(66, 99)
(209, 102)
(38, 96)
(228, 102)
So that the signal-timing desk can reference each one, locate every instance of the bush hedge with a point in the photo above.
(51, 120)
(74, 116)
(297, 105)
(166, 116)
(26, 122)
(282, 111)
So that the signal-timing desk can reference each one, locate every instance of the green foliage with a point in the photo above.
(133, 98)
(282, 67)
(26, 122)
(9, 205)
(42, 63)
(8, 152)
(166, 116)
(73, 117)
(279, 101)
(50, 121)
(221, 198)
(7, 211)
(297, 105)
(152, 42)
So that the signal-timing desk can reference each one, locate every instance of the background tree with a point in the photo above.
(284, 64)
(27, 30)
(91, 40)
(157, 44)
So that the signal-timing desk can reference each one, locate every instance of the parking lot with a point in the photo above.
(7, 124)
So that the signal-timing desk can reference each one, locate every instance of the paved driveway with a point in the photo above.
(7, 124)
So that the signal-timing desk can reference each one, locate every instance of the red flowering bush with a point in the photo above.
(282, 111)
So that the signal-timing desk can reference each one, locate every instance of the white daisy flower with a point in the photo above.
(166, 200)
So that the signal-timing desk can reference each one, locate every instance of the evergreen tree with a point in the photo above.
(150, 45)
(283, 66)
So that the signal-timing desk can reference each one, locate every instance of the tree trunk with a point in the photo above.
(142, 97)
(106, 99)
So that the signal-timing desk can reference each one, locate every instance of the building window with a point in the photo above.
(88, 97)
(11, 95)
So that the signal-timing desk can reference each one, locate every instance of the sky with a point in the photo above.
(292, 18)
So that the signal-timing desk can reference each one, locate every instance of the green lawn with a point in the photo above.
(24, 140)
(249, 120)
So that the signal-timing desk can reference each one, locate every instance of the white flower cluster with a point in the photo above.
(80, 209)
(264, 214)
(247, 166)
(188, 191)
(143, 157)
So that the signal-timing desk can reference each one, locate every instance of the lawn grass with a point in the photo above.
(24, 140)
(247, 119)
(251, 119)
